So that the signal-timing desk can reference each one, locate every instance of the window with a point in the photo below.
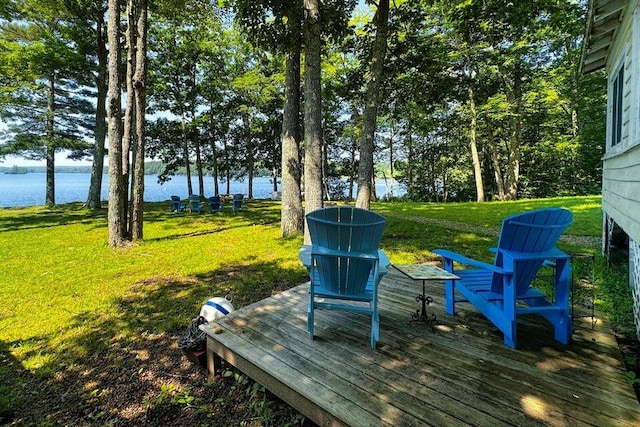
(616, 116)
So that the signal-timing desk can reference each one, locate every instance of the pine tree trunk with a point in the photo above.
(185, 153)
(312, 110)
(51, 146)
(227, 162)
(139, 87)
(366, 190)
(250, 155)
(116, 190)
(128, 132)
(97, 166)
(292, 215)
(214, 153)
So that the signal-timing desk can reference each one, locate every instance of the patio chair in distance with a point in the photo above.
(502, 290)
(344, 262)
(237, 204)
(215, 204)
(195, 204)
(176, 204)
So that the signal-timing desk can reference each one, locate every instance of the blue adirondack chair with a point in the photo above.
(344, 262)
(176, 204)
(195, 205)
(237, 202)
(502, 290)
(215, 204)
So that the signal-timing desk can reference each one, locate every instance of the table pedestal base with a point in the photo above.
(421, 314)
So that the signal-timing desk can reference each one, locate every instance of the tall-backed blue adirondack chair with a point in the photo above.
(237, 202)
(176, 204)
(215, 204)
(527, 241)
(195, 205)
(344, 262)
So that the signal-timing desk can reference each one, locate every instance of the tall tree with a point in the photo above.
(44, 101)
(139, 85)
(366, 187)
(282, 34)
(292, 219)
(117, 189)
(312, 110)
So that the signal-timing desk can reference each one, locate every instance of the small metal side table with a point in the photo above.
(424, 272)
(583, 284)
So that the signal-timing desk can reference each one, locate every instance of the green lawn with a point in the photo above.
(66, 295)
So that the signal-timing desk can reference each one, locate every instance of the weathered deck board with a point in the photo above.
(458, 373)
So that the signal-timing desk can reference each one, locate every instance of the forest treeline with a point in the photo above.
(471, 100)
(150, 168)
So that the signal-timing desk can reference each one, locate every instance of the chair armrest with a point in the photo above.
(553, 253)
(383, 264)
(321, 250)
(304, 254)
(461, 259)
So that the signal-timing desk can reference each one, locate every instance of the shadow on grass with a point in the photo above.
(43, 217)
(123, 366)
(12, 378)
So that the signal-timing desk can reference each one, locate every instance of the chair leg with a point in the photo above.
(562, 329)
(449, 291)
(310, 317)
(375, 330)
(510, 338)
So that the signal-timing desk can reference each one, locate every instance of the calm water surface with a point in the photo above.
(29, 189)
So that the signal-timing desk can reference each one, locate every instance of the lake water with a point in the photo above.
(29, 189)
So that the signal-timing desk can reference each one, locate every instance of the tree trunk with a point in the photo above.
(197, 144)
(214, 154)
(97, 166)
(227, 165)
(353, 162)
(139, 83)
(495, 161)
(51, 145)
(513, 167)
(185, 152)
(250, 155)
(199, 166)
(312, 110)
(130, 109)
(114, 113)
(292, 215)
(410, 162)
(365, 170)
(477, 168)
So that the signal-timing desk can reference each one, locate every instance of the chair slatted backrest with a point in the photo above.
(346, 231)
(237, 201)
(214, 203)
(194, 201)
(175, 203)
(530, 232)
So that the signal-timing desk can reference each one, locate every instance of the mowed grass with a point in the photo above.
(65, 295)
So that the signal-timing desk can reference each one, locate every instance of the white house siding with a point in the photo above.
(621, 191)
(621, 163)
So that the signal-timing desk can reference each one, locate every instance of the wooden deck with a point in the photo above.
(459, 373)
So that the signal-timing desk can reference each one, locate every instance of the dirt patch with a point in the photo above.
(149, 382)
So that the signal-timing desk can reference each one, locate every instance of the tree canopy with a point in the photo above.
(477, 100)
